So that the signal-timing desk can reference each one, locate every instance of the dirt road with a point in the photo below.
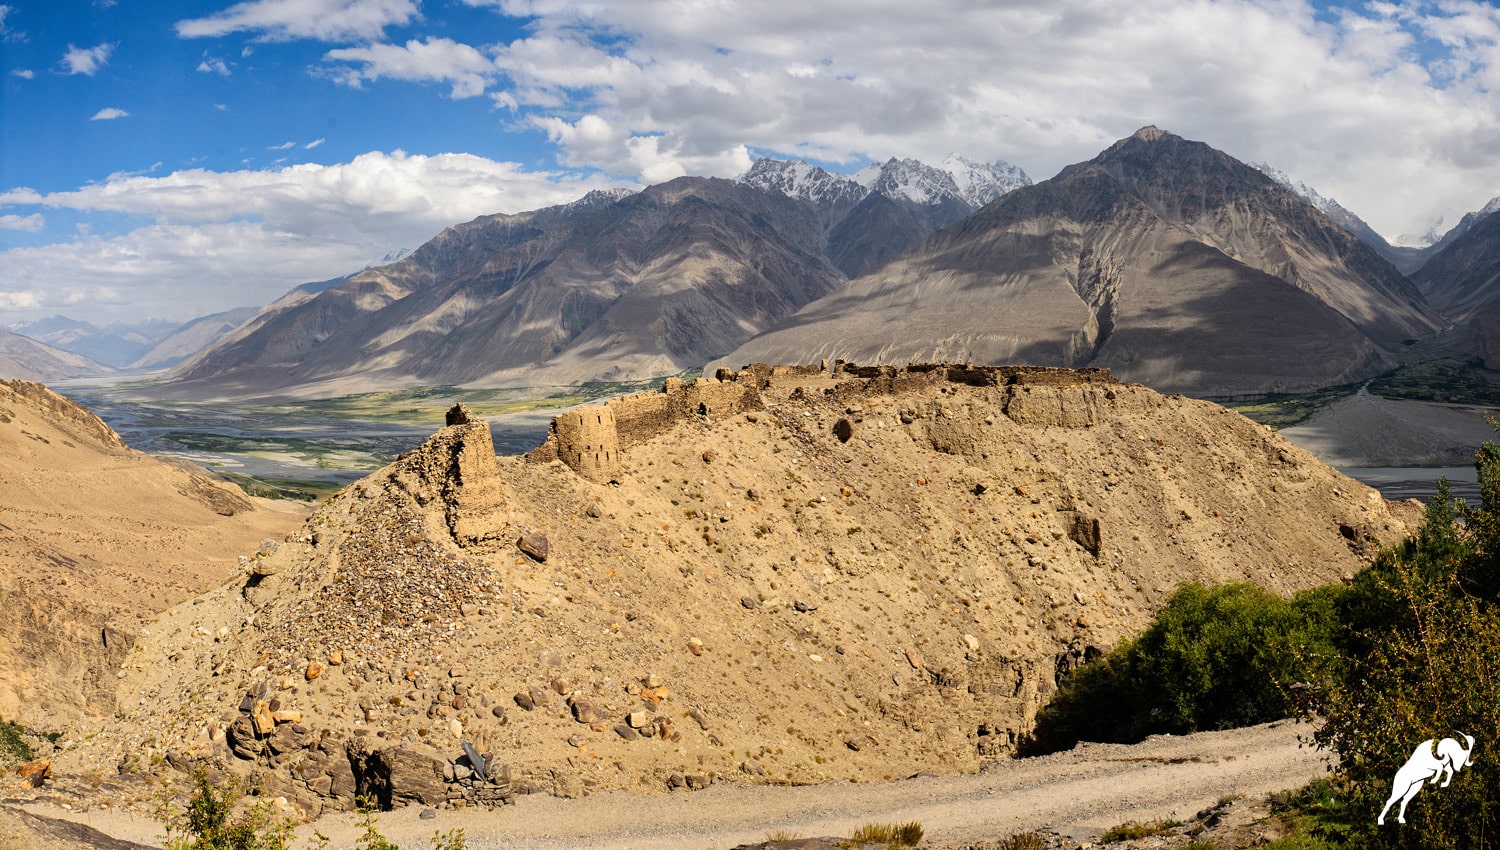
(1078, 793)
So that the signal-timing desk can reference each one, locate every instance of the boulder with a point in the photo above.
(397, 775)
(534, 546)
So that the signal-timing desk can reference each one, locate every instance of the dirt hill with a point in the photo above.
(95, 538)
(783, 576)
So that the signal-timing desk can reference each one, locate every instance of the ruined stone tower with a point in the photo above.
(589, 442)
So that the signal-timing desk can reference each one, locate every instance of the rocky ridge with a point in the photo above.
(781, 575)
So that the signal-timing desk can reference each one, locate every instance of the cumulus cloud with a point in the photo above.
(26, 299)
(109, 113)
(25, 223)
(428, 60)
(222, 239)
(213, 66)
(1386, 106)
(87, 61)
(322, 20)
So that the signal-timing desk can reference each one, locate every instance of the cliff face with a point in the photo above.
(779, 575)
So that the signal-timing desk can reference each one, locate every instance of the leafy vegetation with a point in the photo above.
(1450, 381)
(1136, 829)
(1212, 659)
(1283, 410)
(210, 823)
(13, 745)
(1403, 653)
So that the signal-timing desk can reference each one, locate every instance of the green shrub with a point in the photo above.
(1135, 829)
(206, 825)
(13, 746)
(1419, 664)
(1211, 659)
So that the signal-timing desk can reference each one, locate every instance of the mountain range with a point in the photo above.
(1164, 259)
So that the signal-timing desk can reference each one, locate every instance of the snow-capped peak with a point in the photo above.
(798, 179)
(959, 178)
(982, 182)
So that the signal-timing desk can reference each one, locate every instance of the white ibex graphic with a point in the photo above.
(1424, 767)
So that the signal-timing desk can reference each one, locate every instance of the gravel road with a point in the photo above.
(1078, 793)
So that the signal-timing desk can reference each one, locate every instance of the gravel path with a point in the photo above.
(1078, 793)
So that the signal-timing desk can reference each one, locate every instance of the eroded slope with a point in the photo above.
(783, 576)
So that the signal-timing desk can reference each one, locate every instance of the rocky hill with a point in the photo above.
(94, 539)
(1163, 259)
(612, 287)
(786, 575)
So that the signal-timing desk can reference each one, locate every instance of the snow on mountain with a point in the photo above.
(909, 180)
(982, 182)
(959, 178)
(797, 179)
(1436, 240)
(1331, 208)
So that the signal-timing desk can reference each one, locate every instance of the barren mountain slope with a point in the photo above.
(794, 577)
(1463, 280)
(94, 538)
(607, 288)
(1163, 259)
(28, 360)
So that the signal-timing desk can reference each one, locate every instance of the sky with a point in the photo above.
(172, 159)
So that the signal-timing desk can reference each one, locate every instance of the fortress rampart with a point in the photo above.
(589, 439)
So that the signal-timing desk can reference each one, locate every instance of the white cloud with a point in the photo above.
(430, 60)
(323, 20)
(312, 144)
(87, 61)
(24, 73)
(284, 146)
(109, 113)
(213, 66)
(23, 300)
(1389, 108)
(26, 223)
(6, 33)
(221, 239)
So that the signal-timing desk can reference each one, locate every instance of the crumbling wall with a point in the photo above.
(591, 439)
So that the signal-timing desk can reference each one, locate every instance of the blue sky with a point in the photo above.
(168, 159)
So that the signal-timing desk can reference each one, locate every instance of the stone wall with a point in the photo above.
(590, 439)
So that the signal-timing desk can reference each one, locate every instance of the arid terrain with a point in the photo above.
(1072, 796)
(95, 539)
(778, 577)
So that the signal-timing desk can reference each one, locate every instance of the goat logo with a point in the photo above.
(1423, 768)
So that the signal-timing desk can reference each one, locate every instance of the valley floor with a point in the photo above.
(1077, 794)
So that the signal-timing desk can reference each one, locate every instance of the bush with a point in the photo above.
(206, 824)
(890, 834)
(13, 746)
(1418, 663)
(1211, 659)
